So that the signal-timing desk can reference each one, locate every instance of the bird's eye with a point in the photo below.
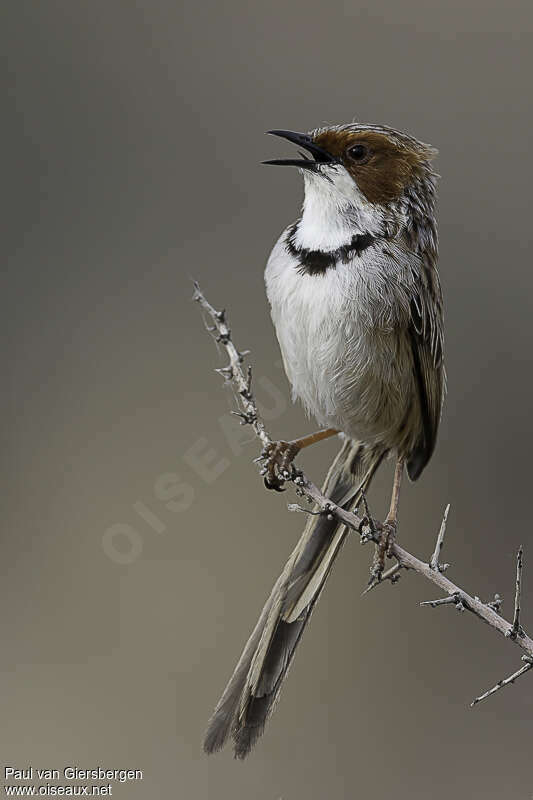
(358, 153)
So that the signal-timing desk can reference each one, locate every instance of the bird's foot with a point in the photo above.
(278, 467)
(383, 548)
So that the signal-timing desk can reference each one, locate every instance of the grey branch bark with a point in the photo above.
(432, 571)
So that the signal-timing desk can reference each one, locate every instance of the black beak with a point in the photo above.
(320, 156)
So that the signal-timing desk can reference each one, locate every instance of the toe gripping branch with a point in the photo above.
(383, 535)
(278, 468)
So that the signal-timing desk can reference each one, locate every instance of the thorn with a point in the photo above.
(221, 315)
(434, 561)
(247, 418)
(300, 509)
(197, 294)
(242, 354)
(226, 372)
(516, 629)
(452, 598)
(372, 583)
(391, 574)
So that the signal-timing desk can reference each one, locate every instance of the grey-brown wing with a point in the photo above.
(426, 337)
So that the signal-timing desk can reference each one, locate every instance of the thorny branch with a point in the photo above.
(367, 528)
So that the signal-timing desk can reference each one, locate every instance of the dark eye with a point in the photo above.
(358, 153)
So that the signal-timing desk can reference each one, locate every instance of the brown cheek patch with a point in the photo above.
(390, 169)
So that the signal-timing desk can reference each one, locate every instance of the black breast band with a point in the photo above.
(317, 262)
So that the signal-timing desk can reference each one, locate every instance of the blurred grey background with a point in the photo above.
(138, 544)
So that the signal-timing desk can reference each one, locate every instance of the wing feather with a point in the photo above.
(426, 338)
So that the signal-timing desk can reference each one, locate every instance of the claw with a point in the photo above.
(278, 467)
(276, 485)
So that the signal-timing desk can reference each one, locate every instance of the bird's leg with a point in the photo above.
(280, 455)
(388, 533)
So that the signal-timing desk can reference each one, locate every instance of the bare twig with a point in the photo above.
(511, 679)
(433, 572)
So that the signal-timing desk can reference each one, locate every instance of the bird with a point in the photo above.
(357, 306)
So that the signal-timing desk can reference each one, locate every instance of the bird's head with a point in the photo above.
(363, 171)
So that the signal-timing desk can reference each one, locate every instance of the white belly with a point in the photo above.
(340, 337)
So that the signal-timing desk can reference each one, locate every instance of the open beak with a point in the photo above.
(303, 140)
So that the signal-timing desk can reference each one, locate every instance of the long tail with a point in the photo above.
(253, 689)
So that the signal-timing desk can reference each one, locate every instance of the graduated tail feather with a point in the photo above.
(252, 692)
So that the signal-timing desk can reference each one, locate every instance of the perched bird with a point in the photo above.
(357, 306)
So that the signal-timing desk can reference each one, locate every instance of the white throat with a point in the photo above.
(334, 211)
